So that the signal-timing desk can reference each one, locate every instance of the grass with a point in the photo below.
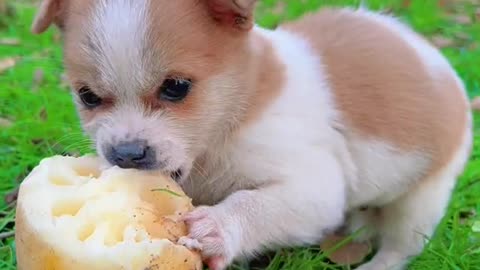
(38, 120)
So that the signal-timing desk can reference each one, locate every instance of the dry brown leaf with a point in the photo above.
(462, 19)
(349, 254)
(443, 3)
(3, 6)
(279, 8)
(476, 104)
(4, 122)
(447, 5)
(38, 77)
(442, 41)
(43, 115)
(462, 36)
(11, 197)
(7, 63)
(9, 41)
(37, 141)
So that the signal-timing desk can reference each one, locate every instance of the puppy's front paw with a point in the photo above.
(207, 233)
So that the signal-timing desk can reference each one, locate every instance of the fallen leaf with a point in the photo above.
(462, 19)
(9, 41)
(462, 35)
(43, 115)
(349, 254)
(38, 78)
(37, 141)
(279, 8)
(7, 63)
(476, 104)
(447, 5)
(5, 122)
(443, 3)
(442, 41)
(11, 197)
(3, 7)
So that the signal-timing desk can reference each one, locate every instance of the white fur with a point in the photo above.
(383, 173)
(279, 135)
(404, 229)
(291, 153)
(134, 125)
(119, 34)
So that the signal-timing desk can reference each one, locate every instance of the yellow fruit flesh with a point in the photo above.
(72, 215)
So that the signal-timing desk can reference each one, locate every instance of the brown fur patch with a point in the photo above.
(383, 89)
(270, 76)
(205, 51)
(50, 11)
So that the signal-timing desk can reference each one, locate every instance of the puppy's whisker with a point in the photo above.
(200, 172)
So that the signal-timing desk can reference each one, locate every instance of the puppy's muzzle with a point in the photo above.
(132, 155)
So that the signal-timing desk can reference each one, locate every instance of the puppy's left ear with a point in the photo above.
(234, 13)
(50, 11)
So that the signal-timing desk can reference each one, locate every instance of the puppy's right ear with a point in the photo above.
(236, 13)
(50, 11)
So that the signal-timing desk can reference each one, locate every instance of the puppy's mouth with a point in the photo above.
(177, 175)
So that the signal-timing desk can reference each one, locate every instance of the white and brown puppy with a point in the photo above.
(285, 133)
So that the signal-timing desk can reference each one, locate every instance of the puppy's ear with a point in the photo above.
(50, 11)
(233, 13)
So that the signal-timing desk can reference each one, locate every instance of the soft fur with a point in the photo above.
(287, 134)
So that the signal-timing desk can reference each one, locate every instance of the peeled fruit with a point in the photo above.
(72, 215)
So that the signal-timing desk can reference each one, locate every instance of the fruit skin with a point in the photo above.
(38, 248)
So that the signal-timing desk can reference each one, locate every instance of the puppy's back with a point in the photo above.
(388, 83)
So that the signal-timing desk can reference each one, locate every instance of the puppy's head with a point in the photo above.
(155, 81)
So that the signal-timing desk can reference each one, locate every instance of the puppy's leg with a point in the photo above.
(406, 223)
(299, 210)
(365, 220)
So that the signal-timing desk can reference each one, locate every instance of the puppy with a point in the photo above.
(282, 135)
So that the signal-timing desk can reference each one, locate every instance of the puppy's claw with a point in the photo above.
(199, 213)
(192, 244)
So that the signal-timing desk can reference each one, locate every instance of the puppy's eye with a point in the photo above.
(89, 99)
(175, 90)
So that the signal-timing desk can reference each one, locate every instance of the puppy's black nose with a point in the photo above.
(132, 155)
